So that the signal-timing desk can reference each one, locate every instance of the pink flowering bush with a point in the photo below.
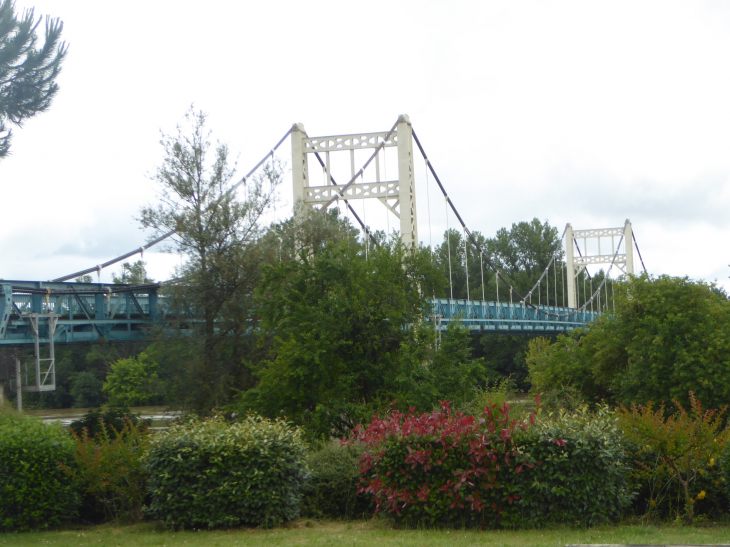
(444, 466)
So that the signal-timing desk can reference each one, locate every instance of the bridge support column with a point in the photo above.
(300, 175)
(406, 183)
(629, 243)
(152, 299)
(570, 266)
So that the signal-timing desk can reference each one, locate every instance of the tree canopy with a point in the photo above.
(28, 70)
(219, 231)
(667, 336)
(347, 338)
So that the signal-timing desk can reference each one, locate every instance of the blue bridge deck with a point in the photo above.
(506, 318)
(89, 312)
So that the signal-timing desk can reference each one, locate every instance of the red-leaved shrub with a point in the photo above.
(443, 466)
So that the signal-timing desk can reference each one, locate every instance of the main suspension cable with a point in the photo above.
(490, 264)
(638, 251)
(163, 237)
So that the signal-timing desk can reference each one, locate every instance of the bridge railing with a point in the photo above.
(81, 311)
(503, 317)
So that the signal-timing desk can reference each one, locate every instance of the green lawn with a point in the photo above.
(365, 534)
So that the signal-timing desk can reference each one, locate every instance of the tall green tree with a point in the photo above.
(347, 337)
(338, 321)
(28, 70)
(667, 336)
(220, 234)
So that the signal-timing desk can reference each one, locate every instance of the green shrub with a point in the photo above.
(34, 491)
(687, 442)
(449, 468)
(134, 381)
(108, 422)
(660, 496)
(109, 470)
(212, 474)
(582, 473)
(331, 491)
(498, 394)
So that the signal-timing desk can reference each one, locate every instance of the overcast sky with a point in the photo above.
(580, 112)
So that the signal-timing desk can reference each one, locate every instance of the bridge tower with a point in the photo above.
(399, 195)
(575, 265)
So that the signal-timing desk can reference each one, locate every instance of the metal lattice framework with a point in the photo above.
(399, 196)
(576, 264)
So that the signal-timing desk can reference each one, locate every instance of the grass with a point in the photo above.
(365, 534)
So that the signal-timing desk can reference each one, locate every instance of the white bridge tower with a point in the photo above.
(399, 195)
(575, 265)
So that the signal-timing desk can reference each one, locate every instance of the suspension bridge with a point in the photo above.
(43, 314)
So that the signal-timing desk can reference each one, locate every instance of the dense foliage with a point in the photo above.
(450, 468)
(214, 474)
(332, 490)
(134, 381)
(581, 478)
(109, 471)
(443, 467)
(34, 491)
(107, 421)
(667, 336)
(347, 338)
(685, 441)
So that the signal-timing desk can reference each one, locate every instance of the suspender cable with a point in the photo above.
(613, 298)
(562, 281)
(496, 280)
(555, 282)
(448, 249)
(490, 264)
(466, 268)
(481, 267)
(591, 282)
(428, 205)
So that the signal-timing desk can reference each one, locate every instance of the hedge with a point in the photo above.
(34, 490)
(213, 474)
(332, 489)
(448, 468)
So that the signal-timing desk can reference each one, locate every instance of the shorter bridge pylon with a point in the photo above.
(576, 264)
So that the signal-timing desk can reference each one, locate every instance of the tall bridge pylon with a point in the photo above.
(398, 195)
(575, 265)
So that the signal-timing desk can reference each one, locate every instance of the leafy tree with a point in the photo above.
(86, 389)
(220, 235)
(451, 373)
(27, 72)
(521, 253)
(133, 381)
(133, 274)
(84, 279)
(338, 322)
(667, 336)
(685, 441)
(505, 355)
